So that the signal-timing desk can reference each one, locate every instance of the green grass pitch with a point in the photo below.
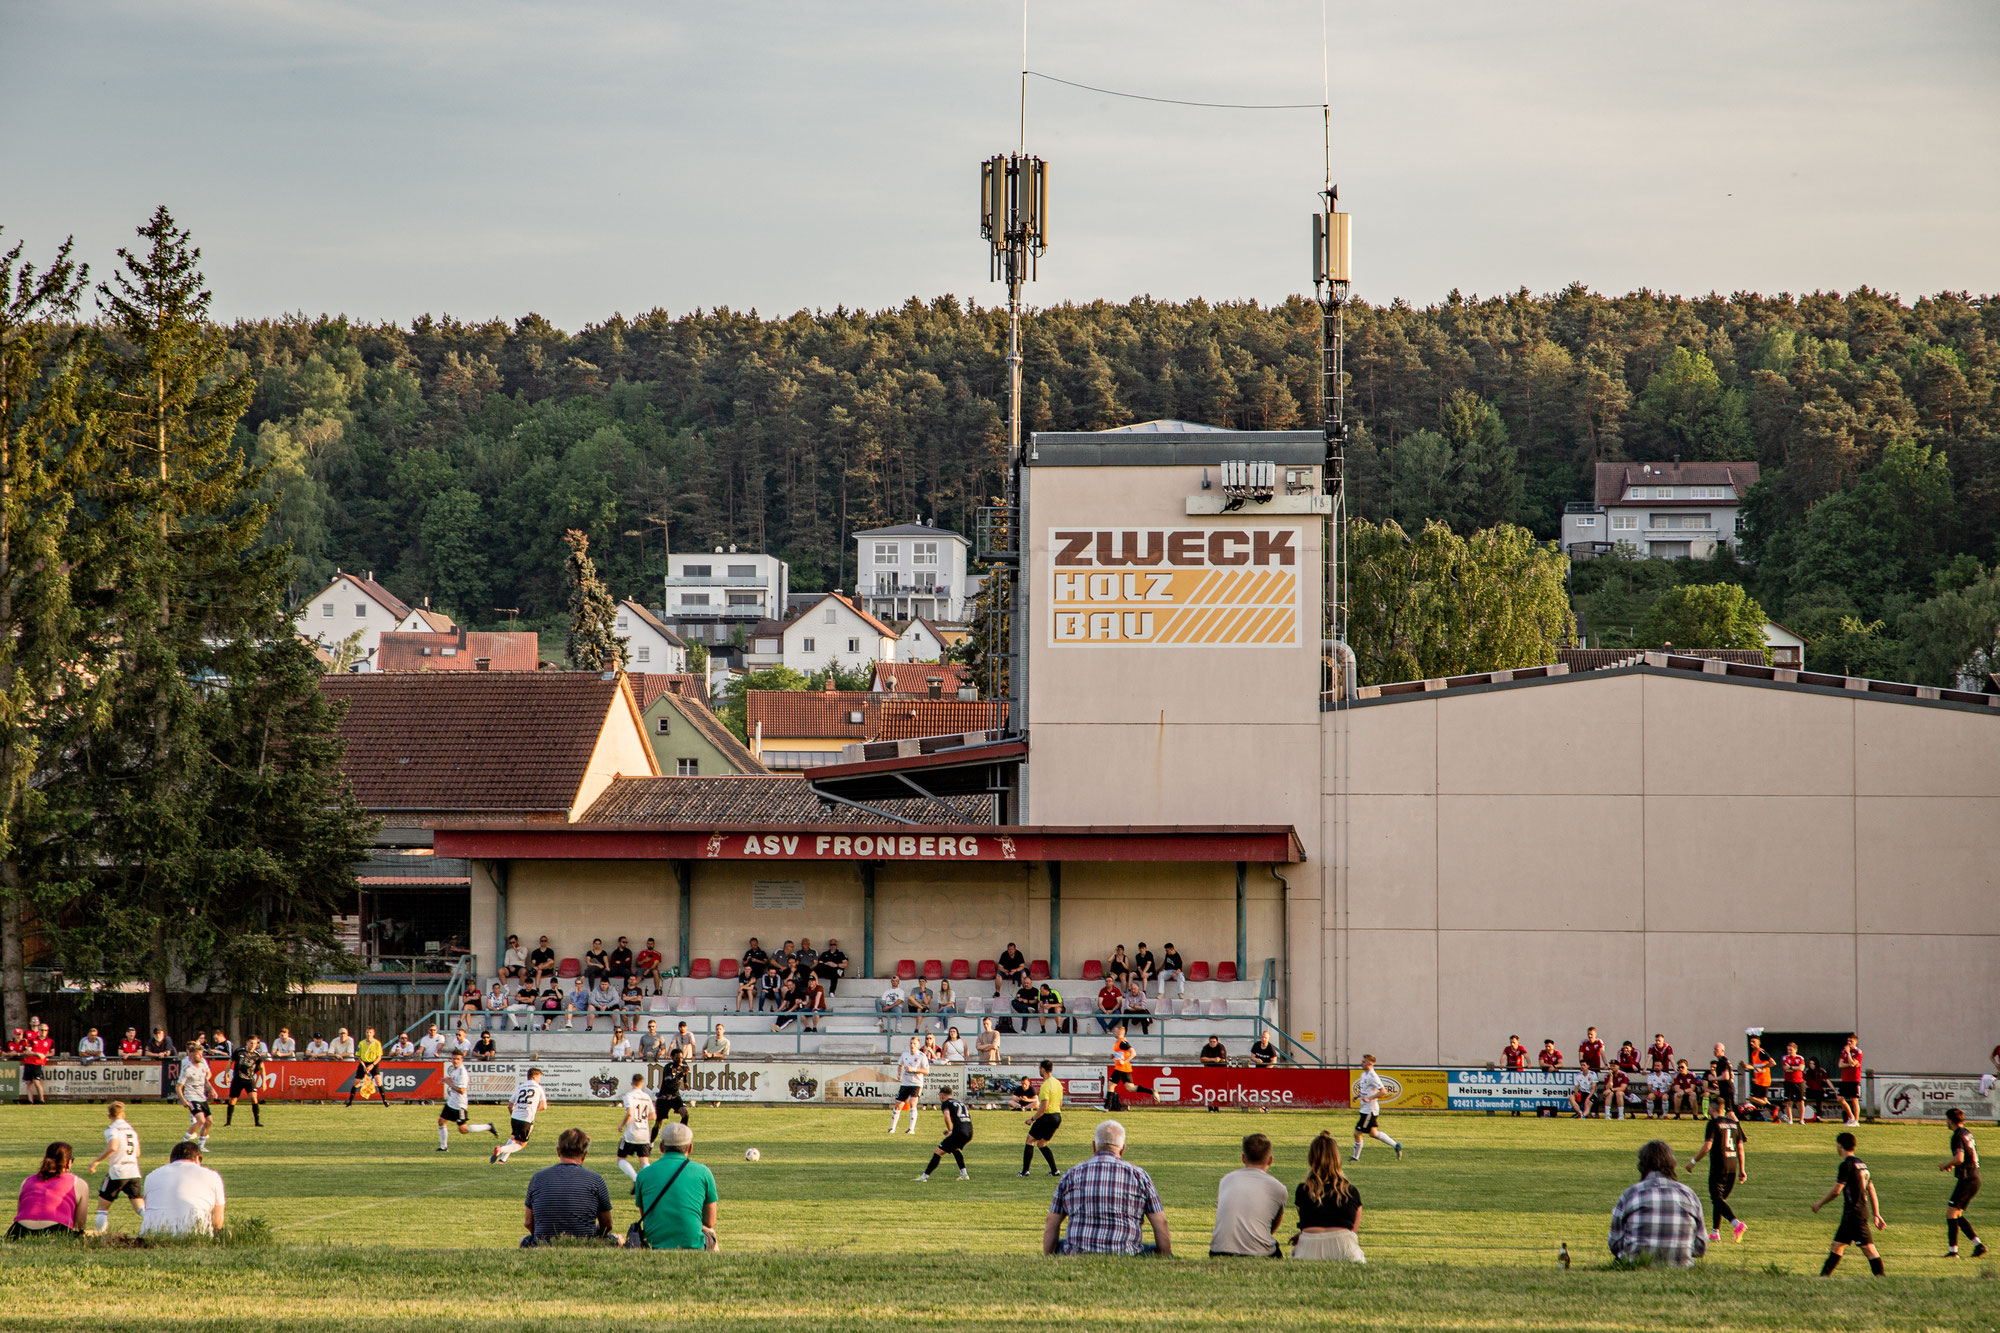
(375, 1229)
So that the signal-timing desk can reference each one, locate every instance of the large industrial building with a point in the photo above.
(1669, 844)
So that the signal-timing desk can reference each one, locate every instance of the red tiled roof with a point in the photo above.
(914, 677)
(657, 625)
(648, 686)
(404, 650)
(378, 592)
(512, 741)
(849, 604)
(1614, 479)
(901, 718)
(744, 800)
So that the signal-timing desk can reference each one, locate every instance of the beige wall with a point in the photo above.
(623, 750)
(1648, 853)
(573, 901)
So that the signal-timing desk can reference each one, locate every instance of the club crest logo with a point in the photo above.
(802, 1088)
(604, 1083)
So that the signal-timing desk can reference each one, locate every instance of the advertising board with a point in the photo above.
(1193, 586)
(1501, 1090)
(1411, 1089)
(1203, 1086)
(1905, 1098)
(103, 1081)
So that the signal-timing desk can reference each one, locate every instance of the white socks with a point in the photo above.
(895, 1118)
(625, 1165)
(479, 1129)
(444, 1137)
(103, 1220)
(913, 1120)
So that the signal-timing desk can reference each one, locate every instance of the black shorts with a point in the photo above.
(1853, 1229)
(198, 1108)
(662, 1106)
(1963, 1192)
(1045, 1126)
(518, 1130)
(1850, 1089)
(908, 1093)
(455, 1114)
(1120, 1076)
(132, 1187)
(1365, 1122)
(1795, 1092)
(238, 1085)
(31, 1073)
(954, 1142)
(643, 1148)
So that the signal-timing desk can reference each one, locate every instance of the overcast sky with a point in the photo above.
(488, 159)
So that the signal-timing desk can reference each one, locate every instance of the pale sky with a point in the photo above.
(487, 159)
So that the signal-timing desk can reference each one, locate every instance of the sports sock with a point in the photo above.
(103, 1219)
(1357, 1149)
(937, 1157)
(1049, 1157)
(1832, 1259)
(230, 1118)
(913, 1120)
(257, 1114)
(1027, 1158)
(1951, 1233)
(1875, 1266)
(625, 1165)
(956, 1156)
(444, 1137)
(1965, 1230)
(895, 1118)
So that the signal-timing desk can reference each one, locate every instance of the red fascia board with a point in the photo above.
(956, 756)
(930, 844)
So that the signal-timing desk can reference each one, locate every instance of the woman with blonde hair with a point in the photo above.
(1329, 1207)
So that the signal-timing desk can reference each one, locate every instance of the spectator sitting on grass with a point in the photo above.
(1106, 1200)
(54, 1201)
(716, 1047)
(676, 1197)
(1135, 1004)
(183, 1198)
(1214, 1053)
(1250, 1204)
(1658, 1220)
(1110, 1003)
(568, 1199)
(1011, 969)
(1329, 1208)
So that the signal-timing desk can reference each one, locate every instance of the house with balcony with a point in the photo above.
(1661, 511)
(909, 571)
(715, 598)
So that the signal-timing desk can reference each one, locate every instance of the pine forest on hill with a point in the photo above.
(450, 458)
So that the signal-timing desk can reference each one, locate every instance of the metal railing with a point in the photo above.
(1293, 1049)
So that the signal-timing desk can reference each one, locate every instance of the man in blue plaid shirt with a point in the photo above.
(1106, 1199)
(1658, 1220)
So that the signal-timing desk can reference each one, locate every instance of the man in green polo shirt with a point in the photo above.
(676, 1196)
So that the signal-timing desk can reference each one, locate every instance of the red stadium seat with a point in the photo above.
(988, 969)
(1197, 971)
(1093, 971)
(726, 969)
(569, 967)
(933, 969)
(905, 968)
(961, 970)
(1225, 971)
(1039, 969)
(699, 970)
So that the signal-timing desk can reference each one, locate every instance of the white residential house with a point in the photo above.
(911, 570)
(1659, 510)
(354, 602)
(1787, 649)
(834, 630)
(711, 596)
(920, 641)
(650, 645)
(765, 644)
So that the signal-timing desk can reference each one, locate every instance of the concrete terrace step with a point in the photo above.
(1091, 1047)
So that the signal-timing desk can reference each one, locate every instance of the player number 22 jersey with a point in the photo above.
(528, 1099)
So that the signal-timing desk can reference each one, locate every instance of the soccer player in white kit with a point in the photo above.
(1659, 1087)
(911, 1066)
(528, 1101)
(457, 1105)
(635, 1136)
(1367, 1098)
(121, 1152)
(193, 1093)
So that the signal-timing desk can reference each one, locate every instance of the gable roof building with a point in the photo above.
(458, 650)
(835, 631)
(1662, 510)
(688, 739)
(911, 569)
(938, 680)
(355, 603)
(798, 729)
(650, 643)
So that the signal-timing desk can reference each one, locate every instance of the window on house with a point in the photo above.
(743, 571)
(642, 654)
(694, 599)
(854, 645)
(1624, 522)
(856, 717)
(361, 610)
(1663, 492)
(666, 724)
(926, 580)
(887, 553)
(624, 625)
(1587, 521)
(695, 571)
(1638, 493)
(885, 584)
(833, 615)
(744, 599)
(923, 553)
(809, 645)
(688, 768)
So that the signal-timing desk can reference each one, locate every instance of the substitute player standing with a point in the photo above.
(1367, 1097)
(192, 1091)
(457, 1104)
(1792, 1067)
(121, 1159)
(528, 1101)
(1858, 1208)
(245, 1073)
(636, 1129)
(1044, 1119)
(957, 1133)
(911, 1066)
(1964, 1166)
(1722, 1144)
(1849, 1062)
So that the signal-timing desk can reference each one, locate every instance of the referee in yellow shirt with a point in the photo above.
(368, 1057)
(1044, 1121)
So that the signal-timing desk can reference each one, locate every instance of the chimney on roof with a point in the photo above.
(968, 693)
(370, 576)
(830, 686)
(937, 686)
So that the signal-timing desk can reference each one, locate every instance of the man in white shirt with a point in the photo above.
(1249, 1205)
(121, 1153)
(432, 1045)
(403, 1048)
(1367, 1098)
(911, 1067)
(635, 1130)
(91, 1048)
(341, 1047)
(284, 1048)
(317, 1049)
(891, 1003)
(460, 1043)
(527, 1102)
(183, 1198)
(457, 1106)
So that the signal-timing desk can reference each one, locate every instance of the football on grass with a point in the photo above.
(751, 1154)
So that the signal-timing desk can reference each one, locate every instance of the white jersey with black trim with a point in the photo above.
(912, 1066)
(457, 1081)
(194, 1083)
(638, 1115)
(123, 1141)
(1367, 1094)
(527, 1102)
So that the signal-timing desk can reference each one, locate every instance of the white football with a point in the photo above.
(751, 1154)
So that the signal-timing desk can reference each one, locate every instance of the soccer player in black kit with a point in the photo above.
(1964, 1167)
(1722, 1144)
(1860, 1209)
(958, 1133)
(247, 1067)
(668, 1099)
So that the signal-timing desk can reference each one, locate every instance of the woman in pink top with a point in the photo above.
(54, 1199)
